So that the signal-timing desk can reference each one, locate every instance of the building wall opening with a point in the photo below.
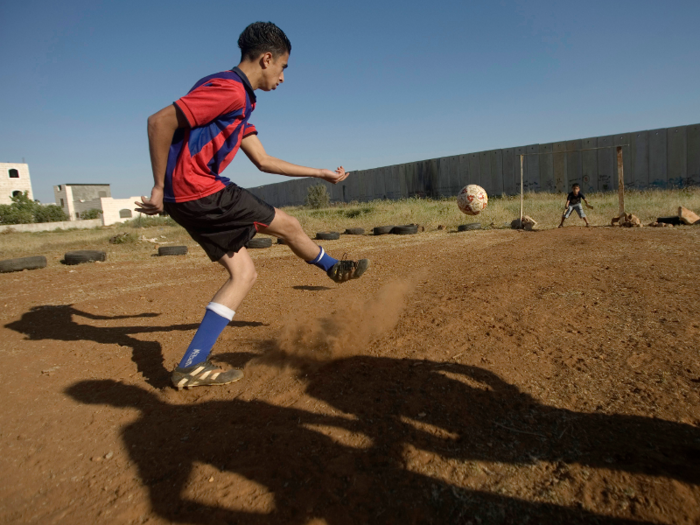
(14, 174)
(16, 193)
(125, 213)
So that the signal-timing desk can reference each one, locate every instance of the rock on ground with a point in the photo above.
(688, 216)
(627, 220)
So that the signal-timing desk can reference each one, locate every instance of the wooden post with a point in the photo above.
(521, 191)
(620, 182)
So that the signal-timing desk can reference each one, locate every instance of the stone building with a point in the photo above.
(14, 179)
(76, 199)
(79, 198)
(119, 210)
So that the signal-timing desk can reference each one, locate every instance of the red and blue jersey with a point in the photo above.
(217, 109)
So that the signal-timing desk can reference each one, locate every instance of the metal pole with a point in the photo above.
(620, 182)
(521, 190)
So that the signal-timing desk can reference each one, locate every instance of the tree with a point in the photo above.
(317, 197)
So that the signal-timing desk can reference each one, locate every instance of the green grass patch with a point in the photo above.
(545, 208)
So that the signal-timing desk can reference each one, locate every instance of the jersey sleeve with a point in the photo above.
(249, 130)
(211, 100)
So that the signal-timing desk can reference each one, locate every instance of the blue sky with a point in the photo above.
(369, 83)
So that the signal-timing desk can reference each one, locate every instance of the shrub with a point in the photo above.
(23, 210)
(50, 213)
(94, 213)
(357, 212)
(317, 197)
(11, 214)
(123, 238)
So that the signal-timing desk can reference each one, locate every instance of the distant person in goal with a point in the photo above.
(191, 142)
(573, 202)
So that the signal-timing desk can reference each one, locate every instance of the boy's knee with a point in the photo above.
(291, 226)
(245, 278)
(294, 223)
(251, 277)
(248, 274)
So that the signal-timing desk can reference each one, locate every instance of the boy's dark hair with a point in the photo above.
(261, 37)
(576, 185)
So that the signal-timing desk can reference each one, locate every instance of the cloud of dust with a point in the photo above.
(345, 332)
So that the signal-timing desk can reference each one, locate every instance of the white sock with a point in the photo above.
(220, 309)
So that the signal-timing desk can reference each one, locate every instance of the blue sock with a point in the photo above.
(215, 320)
(323, 261)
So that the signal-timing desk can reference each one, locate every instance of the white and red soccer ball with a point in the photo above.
(472, 200)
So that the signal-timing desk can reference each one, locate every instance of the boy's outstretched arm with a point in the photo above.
(161, 127)
(255, 151)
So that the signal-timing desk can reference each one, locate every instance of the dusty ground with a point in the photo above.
(484, 377)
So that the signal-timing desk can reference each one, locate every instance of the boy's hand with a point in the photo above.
(152, 206)
(589, 206)
(334, 177)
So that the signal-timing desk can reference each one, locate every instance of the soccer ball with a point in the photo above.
(472, 199)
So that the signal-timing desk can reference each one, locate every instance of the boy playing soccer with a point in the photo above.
(191, 142)
(573, 202)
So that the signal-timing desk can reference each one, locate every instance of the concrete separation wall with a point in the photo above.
(49, 226)
(660, 158)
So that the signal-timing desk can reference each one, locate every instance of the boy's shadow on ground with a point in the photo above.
(55, 322)
(492, 420)
(471, 414)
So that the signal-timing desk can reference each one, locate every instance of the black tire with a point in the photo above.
(172, 250)
(83, 256)
(327, 236)
(355, 231)
(281, 241)
(675, 221)
(469, 227)
(409, 229)
(262, 242)
(23, 263)
(382, 230)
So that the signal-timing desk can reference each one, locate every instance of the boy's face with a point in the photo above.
(273, 71)
(576, 190)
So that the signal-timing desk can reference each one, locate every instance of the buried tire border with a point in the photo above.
(83, 256)
(33, 262)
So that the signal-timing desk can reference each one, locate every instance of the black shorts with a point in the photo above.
(223, 222)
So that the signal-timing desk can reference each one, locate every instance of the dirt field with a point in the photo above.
(482, 377)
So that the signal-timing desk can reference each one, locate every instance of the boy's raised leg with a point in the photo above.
(288, 228)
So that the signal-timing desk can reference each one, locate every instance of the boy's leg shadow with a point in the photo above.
(479, 408)
(306, 474)
(56, 322)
